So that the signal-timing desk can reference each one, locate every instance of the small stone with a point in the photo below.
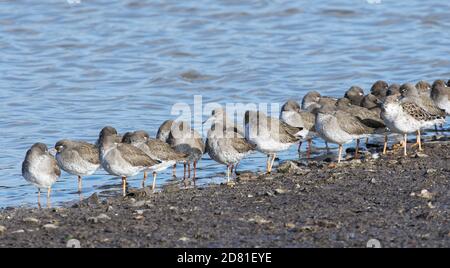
(280, 191)
(425, 194)
(138, 204)
(259, 220)
(269, 193)
(31, 220)
(92, 220)
(230, 183)
(431, 171)
(288, 167)
(184, 239)
(290, 225)
(20, 231)
(332, 165)
(250, 196)
(420, 155)
(139, 211)
(50, 226)
(173, 208)
(2, 229)
(139, 217)
(430, 205)
(103, 217)
(373, 180)
(246, 176)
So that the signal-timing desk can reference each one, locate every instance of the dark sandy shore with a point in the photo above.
(402, 202)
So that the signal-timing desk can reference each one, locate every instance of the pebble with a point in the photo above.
(31, 220)
(184, 239)
(139, 211)
(425, 194)
(420, 155)
(280, 191)
(290, 225)
(50, 226)
(2, 229)
(18, 231)
(102, 217)
(138, 204)
(139, 217)
(259, 220)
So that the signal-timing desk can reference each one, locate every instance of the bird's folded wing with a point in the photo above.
(135, 156)
(241, 145)
(418, 112)
(352, 124)
(89, 152)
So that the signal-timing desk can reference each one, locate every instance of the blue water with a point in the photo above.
(69, 67)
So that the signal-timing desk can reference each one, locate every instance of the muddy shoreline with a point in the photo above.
(402, 202)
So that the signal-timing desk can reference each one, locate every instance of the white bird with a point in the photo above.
(77, 158)
(40, 169)
(404, 116)
(269, 135)
(339, 127)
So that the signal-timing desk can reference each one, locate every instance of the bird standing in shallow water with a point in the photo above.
(292, 115)
(404, 116)
(121, 159)
(269, 135)
(40, 169)
(339, 127)
(77, 158)
(186, 140)
(370, 118)
(226, 146)
(156, 149)
(411, 94)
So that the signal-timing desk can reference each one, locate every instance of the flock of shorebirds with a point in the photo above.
(402, 109)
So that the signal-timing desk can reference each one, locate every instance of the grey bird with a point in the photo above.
(156, 149)
(370, 118)
(164, 130)
(355, 94)
(40, 169)
(313, 100)
(220, 116)
(269, 135)
(404, 116)
(411, 94)
(379, 89)
(227, 146)
(109, 130)
(423, 87)
(293, 115)
(77, 158)
(371, 102)
(339, 127)
(440, 94)
(121, 159)
(186, 140)
(393, 89)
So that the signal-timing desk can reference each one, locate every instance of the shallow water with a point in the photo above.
(68, 68)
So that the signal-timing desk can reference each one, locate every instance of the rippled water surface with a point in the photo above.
(68, 68)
